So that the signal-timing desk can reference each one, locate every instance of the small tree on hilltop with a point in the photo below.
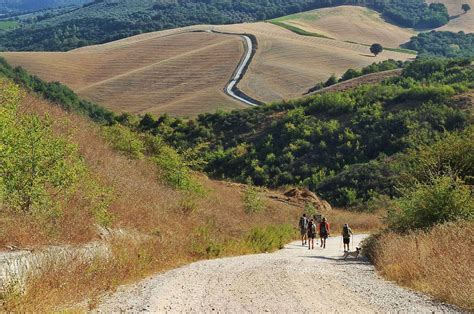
(376, 49)
(466, 7)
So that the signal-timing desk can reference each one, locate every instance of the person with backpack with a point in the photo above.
(346, 236)
(323, 232)
(303, 224)
(311, 234)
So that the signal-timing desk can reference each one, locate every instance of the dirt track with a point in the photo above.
(291, 280)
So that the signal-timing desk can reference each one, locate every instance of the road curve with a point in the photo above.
(239, 72)
(292, 280)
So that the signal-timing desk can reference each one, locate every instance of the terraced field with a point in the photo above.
(349, 23)
(178, 72)
(286, 64)
(459, 21)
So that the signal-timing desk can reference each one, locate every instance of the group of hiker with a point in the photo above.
(311, 227)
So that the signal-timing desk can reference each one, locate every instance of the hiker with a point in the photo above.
(303, 228)
(346, 236)
(311, 234)
(323, 232)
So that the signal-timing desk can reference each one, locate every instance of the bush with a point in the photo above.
(174, 171)
(38, 169)
(442, 199)
(271, 237)
(253, 200)
(124, 140)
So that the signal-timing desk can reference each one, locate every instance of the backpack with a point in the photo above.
(313, 228)
(303, 223)
(322, 228)
(345, 232)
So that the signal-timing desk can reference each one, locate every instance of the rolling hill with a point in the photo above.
(459, 20)
(286, 64)
(179, 72)
(349, 23)
(184, 73)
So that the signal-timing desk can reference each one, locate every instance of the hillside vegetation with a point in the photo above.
(62, 177)
(404, 144)
(446, 44)
(340, 144)
(459, 20)
(34, 5)
(104, 21)
(434, 220)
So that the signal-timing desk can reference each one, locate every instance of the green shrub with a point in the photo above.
(38, 168)
(124, 140)
(253, 200)
(174, 170)
(425, 204)
(271, 237)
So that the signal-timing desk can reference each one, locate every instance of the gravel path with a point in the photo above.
(294, 279)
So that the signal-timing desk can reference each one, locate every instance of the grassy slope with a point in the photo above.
(348, 23)
(287, 64)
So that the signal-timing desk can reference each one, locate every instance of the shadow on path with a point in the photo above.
(359, 261)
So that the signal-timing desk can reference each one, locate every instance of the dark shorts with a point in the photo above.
(347, 240)
(303, 231)
(311, 235)
(323, 235)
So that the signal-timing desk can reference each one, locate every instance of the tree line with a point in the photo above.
(103, 21)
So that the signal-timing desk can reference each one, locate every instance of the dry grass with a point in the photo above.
(349, 23)
(438, 262)
(181, 73)
(168, 221)
(286, 64)
(140, 204)
(459, 21)
(358, 221)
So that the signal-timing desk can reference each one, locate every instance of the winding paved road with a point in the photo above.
(239, 72)
(292, 280)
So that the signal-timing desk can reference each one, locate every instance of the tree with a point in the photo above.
(38, 168)
(376, 49)
(466, 7)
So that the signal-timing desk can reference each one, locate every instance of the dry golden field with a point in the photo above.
(177, 72)
(286, 64)
(459, 20)
(183, 73)
(349, 23)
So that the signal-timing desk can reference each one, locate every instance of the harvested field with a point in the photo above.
(286, 64)
(180, 73)
(350, 23)
(459, 20)
(184, 73)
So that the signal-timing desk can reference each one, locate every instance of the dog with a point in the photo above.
(355, 253)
